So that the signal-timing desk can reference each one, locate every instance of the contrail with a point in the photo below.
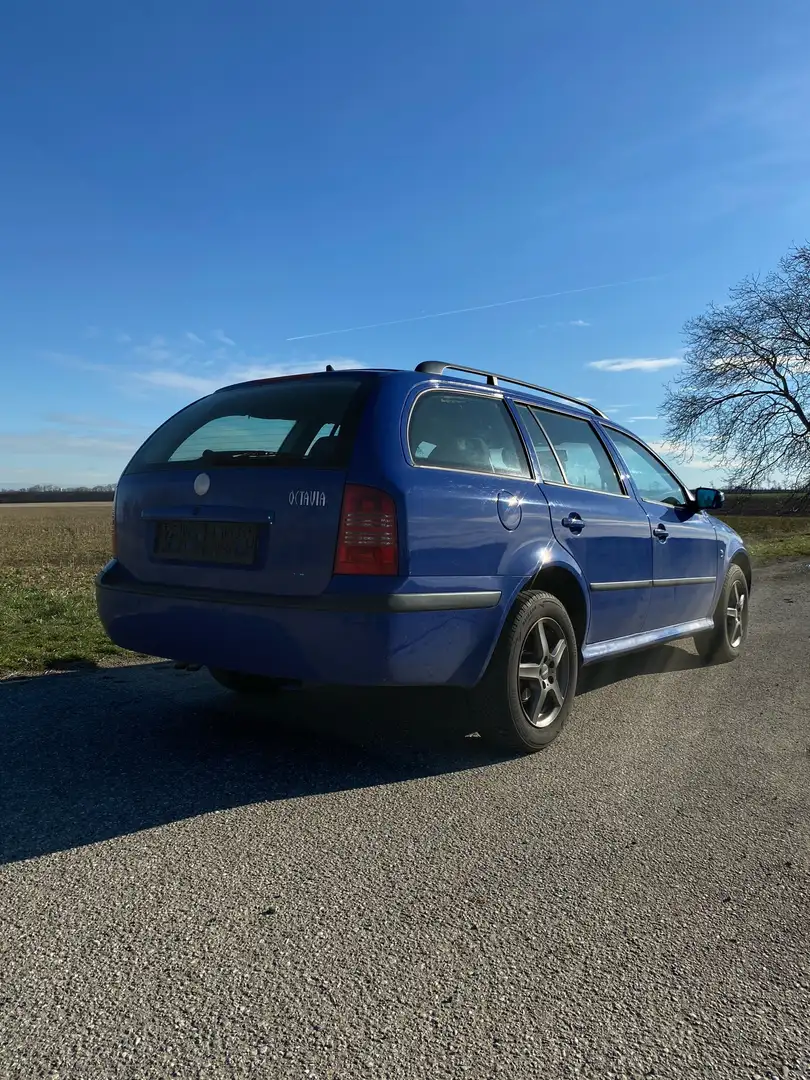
(477, 307)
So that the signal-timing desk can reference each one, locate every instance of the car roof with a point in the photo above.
(293, 376)
(447, 382)
(518, 393)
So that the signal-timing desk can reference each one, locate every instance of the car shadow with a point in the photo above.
(89, 757)
(660, 660)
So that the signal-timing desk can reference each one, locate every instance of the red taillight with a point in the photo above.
(367, 541)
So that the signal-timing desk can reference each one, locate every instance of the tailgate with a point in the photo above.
(268, 531)
(243, 489)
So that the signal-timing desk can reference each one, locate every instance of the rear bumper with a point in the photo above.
(395, 638)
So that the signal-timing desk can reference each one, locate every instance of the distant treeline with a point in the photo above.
(787, 492)
(767, 503)
(48, 493)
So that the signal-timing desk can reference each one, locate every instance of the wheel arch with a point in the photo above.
(742, 559)
(563, 583)
(563, 580)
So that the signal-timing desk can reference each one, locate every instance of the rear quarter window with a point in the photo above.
(468, 432)
(549, 466)
(296, 421)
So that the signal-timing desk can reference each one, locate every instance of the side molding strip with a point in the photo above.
(657, 583)
(613, 586)
(661, 582)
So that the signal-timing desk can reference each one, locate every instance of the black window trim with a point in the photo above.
(633, 438)
(623, 494)
(473, 472)
(517, 405)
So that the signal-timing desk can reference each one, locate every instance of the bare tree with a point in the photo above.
(744, 390)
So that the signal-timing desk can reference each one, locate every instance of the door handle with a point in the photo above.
(573, 522)
(660, 532)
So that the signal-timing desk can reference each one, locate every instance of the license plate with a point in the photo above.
(231, 542)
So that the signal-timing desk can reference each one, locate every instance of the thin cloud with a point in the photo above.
(223, 338)
(160, 354)
(58, 443)
(799, 364)
(578, 322)
(195, 339)
(668, 451)
(52, 470)
(636, 419)
(188, 383)
(123, 339)
(160, 365)
(86, 421)
(642, 363)
(177, 380)
(476, 307)
(69, 360)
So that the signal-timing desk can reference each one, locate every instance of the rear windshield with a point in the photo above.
(294, 422)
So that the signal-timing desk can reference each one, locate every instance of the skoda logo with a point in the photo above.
(202, 484)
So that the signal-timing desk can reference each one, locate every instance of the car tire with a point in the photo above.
(239, 682)
(525, 695)
(724, 642)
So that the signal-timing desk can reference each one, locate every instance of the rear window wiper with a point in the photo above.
(239, 457)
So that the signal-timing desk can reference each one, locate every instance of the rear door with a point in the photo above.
(685, 546)
(600, 525)
(242, 490)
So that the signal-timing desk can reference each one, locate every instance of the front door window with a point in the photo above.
(654, 482)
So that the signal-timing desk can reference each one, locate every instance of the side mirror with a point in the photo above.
(708, 498)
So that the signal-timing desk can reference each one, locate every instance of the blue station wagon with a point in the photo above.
(399, 528)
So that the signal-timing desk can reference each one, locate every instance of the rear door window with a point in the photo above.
(472, 433)
(290, 422)
(582, 455)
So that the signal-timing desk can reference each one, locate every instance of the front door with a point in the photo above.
(685, 545)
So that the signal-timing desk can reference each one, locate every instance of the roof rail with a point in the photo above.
(436, 367)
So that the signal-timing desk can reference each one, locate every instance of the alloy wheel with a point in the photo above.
(736, 615)
(544, 672)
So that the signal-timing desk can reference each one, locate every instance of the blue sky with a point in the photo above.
(190, 190)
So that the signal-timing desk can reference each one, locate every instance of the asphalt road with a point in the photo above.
(189, 890)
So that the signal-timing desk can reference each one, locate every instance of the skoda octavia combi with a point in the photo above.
(437, 527)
